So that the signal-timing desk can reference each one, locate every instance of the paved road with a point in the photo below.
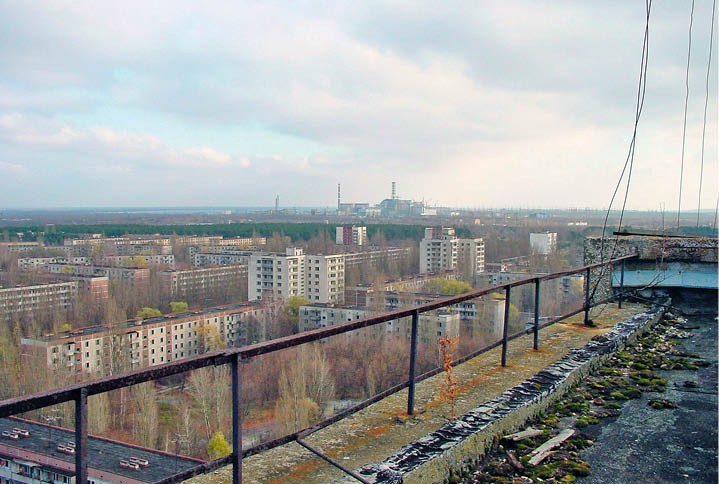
(644, 445)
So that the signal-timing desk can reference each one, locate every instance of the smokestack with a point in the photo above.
(394, 190)
(339, 198)
(277, 202)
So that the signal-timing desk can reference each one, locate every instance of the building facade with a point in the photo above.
(32, 302)
(543, 243)
(141, 343)
(442, 250)
(351, 235)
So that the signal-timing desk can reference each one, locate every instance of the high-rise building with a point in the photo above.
(543, 243)
(438, 250)
(319, 278)
(351, 235)
(441, 250)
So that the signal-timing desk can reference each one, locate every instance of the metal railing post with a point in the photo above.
(81, 436)
(621, 286)
(412, 361)
(236, 420)
(505, 331)
(586, 297)
(536, 314)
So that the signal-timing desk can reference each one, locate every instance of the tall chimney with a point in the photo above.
(394, 190)
(339, 198)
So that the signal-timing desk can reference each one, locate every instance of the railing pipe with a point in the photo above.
(505, 330)
(587, 297)
(621, 286)
(81, 436)
(412, 362)
(236, 420)
(536, 314)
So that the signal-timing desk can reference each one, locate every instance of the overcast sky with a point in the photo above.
(465, 104)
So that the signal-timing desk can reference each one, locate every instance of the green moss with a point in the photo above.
(618, 396)
(661, 404)
(632, 392)
(586, 420)
(613, 405)
(658, 381)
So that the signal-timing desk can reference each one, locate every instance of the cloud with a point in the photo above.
(13, 168)
(94, 143)
(523, 94)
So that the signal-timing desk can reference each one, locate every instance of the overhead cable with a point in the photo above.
(706, 104)
(686, 108)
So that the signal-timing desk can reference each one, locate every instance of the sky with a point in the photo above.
(463, 104)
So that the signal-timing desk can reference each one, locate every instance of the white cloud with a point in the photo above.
(13, 168)
(107, 143)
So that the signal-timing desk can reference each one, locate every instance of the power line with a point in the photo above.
(686, 108)
(629, 162)
(706, 104)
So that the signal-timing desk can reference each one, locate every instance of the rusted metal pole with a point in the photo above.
(81, 436)
(621, 286)
(505, 332)
(586, 297)
(536, 314)
(412, 361)
(236, 420)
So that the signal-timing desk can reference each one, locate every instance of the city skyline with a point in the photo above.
(526, 104)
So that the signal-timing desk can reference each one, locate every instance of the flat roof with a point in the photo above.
(102, 454)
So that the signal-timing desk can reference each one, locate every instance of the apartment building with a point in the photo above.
(19, 247)
(316, 316)
(39, 454)
(431, 326)
(36, 300)
(36, 263)
(351, 235)
(167, 260)
(219, 256)
(201, 284)
(96, 288)
(377, 256)
(319, 278)
(543, 243)
(136, 277)
(442, 250)
(152, 341)
(325, 278)
(393, 300)
(470, 256)
(357, 295)
(276, 275)
(118, 241)
(438, 250)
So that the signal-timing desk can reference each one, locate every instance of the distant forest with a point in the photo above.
(296, 231)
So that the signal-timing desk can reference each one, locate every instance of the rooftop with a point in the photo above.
(103, 454)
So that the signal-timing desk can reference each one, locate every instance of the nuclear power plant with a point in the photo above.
(389, 207)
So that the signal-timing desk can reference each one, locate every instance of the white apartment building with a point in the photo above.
(276, 274)
(140, 260)
(221, 257)
(150, 342)
(470, 252)
(319, 278)
(351, 235)
(543, 243)
(432, 325)
(35, 263)
(36, 300)
(200, 283)
(325, 278)
(441, 250)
